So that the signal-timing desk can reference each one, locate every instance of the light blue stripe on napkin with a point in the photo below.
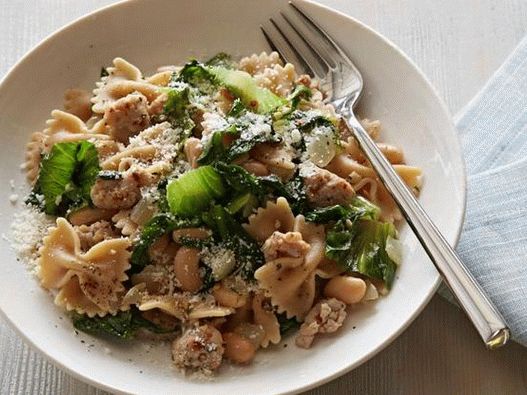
(493, 132)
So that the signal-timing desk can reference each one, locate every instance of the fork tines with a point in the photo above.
(301, 41)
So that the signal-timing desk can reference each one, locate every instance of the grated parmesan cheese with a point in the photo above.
(220, 260)
(307, 169)
(27, 231)
(257, 125)
(320, 146)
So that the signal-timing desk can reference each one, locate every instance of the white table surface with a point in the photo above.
(458, 44)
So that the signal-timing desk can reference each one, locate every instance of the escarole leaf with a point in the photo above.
(66, 176)
(124, 325)
(229, 231)
(238, 179)
(359, 208)
(156, 227)
(300, 93)
(358, 241)
(306, 121)
(287, 324)
(244, 183)
(215, 149)
(237, 108)
(362, 249)
(221, 59)
(193, 192)
(244, 144)
(219, 72)
(248, 130)
(243, 85)
(196, 74)
(176, 108)
(292, 190)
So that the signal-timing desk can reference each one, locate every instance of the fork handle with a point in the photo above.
(483, 314)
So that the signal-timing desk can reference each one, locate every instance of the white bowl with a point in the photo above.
(157, 32)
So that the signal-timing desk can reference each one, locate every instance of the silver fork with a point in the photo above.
(301, 41)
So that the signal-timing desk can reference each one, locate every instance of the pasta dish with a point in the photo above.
(217, 206)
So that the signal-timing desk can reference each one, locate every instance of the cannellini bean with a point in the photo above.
(237, 348)
(252, 332)
(163, 251)
(186, 269)
(142, 211)
(347, 289)
(241, 315)
(228, 297)
(191, 233)
(89, 215)
(255, 167)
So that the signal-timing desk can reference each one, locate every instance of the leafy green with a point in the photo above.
(194, 191)
(292, 190)
(306, 121)
(362, 249)
(161, 195)
(221, 59)
(177, 108)
(208, 278)
(245, 203)
(359, 208)
(197, 75)
(300, 93)
(237, 108)
(357, 240)
(243, 145)
(287, 324)
(243, 86)
(124, 325)
(66, 176)
(156, 227)
(241, 181)
(215, 149)
(231, 234)
(238, 179)
(239, 83)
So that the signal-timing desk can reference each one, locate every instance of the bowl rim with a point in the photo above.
(432, 290)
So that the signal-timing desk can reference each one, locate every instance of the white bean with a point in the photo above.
(347, 289)
(186, 269)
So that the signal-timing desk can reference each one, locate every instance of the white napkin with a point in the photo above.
(493, 132)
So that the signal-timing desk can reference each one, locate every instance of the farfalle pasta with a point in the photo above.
(89, 282)
(220, 205)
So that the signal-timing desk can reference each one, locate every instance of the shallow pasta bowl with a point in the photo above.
(159, 32)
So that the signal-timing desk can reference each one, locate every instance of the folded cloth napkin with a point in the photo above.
(493, 244)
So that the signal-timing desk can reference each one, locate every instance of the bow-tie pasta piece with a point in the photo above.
(90, 282)
(179, 305)
(274, 217)
(266, 318)
(122, 79)
(289, 280)
(33, 156)
(65, 127)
